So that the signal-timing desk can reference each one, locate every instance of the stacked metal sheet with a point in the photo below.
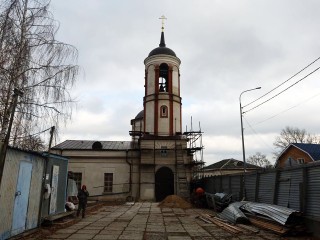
(277, 213)
(233, 213)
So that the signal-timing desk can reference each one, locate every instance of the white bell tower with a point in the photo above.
(162, 101)
(165, 163)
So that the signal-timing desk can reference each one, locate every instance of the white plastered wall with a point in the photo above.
(149, 108)
(163, 127)
(175, 80)
(150, 80)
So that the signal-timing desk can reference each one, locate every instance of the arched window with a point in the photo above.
(163, 77)
(164, 111)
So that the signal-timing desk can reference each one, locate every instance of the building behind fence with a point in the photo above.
(297, 187)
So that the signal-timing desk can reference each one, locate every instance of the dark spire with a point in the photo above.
(162, 49)
(162, 42)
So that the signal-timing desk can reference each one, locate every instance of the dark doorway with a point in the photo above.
(164, 183)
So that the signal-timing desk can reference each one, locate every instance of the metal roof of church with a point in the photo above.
(87, 145)
(140, 115)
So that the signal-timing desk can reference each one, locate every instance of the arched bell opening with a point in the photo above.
(163, 77)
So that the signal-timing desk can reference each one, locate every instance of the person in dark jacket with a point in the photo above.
(83, 195)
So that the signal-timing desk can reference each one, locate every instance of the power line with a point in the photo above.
(257, 134)
(34, 134)
(283, 82)
(286, 110)
(283, 90)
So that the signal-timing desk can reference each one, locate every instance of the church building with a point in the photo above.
(159, 159)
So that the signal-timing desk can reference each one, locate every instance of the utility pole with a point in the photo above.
(243, 149)
(51, 136)
(4, 145)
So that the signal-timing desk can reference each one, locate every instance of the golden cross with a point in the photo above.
(162, 18)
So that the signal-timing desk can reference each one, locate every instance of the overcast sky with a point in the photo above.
(225, 47)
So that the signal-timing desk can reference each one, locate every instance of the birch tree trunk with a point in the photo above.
(33, 61)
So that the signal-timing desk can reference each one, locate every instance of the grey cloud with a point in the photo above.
(225, 47)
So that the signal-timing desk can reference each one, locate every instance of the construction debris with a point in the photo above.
(218, 201)
(233, 213)
(278, 219)
(174, 201)
(279, 214)
(231, 228)
(268, 225)
(203, 219)
(226, 226)
(251, 229)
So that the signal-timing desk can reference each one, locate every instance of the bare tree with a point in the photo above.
(290, 135)
(32, 60)
(260, 160)
(31, 142)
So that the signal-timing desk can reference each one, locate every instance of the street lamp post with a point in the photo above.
(243, 149)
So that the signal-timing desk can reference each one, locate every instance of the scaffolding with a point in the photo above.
(195, 149)
(185, 151)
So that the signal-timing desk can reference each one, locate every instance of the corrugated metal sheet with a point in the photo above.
(233, 213)
(277, 213)
(209, 185)
(250, 185)
(296, 179)
(313, 193)
(288, 189)
(235, 187)
(266, 187)
(217, 183)
(284, 188)
(225, 184)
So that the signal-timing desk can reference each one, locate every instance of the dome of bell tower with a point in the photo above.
(162, 49)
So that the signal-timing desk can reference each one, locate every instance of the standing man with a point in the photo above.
(83, 199)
